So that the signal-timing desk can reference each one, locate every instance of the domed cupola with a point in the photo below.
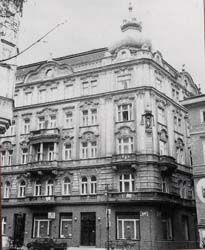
(131, 36)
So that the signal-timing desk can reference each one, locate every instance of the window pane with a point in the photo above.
(129, 229)
(43, 230)
(120, 229)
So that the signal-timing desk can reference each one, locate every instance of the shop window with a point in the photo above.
(128, 226)
(66, 226)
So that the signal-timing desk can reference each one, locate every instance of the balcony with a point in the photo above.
(44, 135)
(36, 200)
(123, 160)
(167, 163)
(42, 167)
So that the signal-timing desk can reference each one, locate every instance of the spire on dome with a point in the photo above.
(131, 23)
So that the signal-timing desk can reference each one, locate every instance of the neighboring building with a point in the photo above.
(10, 13)
(101, 131)
(196, 108)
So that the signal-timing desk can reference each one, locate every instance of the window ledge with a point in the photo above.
(124, 121)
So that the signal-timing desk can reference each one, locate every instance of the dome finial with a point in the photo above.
(130, 8)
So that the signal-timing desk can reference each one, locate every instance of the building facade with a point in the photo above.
(99, 150)
(196, 108)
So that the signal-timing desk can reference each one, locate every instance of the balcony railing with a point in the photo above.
(52, 133)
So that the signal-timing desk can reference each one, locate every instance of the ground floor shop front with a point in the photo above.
(144, 227)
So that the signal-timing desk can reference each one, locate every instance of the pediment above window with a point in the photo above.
(46, 112)
(88, 136)
(48, 71)
(125, 132)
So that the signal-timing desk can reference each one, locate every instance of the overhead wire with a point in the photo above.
(34, 43)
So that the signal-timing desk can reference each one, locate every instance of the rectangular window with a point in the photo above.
(162, 147)
(28, 98)
(128, 226)
(26, 126)
(93, 149)
(67, 152)
(52, 121)
(10, 157)
(3, 158)
(167, 233)
(41, 228)
(124, 112)
(65, 226)
(93, 116)
(85, 117)
(85, 87)
(68, 91)
(13, 128)
(69, 120)
(24, 156)
(93, 84)
(125, 145)
(124, 81)
(185, 223)
(161, 115)
(84, 150)
(54, 94)
(41, 122)
(202, 115)
(126, 183)
(42, 96)
(51, 155)
(3, 226)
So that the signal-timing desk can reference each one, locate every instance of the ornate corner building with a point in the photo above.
(99, 150)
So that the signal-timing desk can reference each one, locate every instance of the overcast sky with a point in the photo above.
(175, 28)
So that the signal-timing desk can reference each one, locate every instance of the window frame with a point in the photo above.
(123, 181)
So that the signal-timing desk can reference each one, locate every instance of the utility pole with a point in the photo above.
(107, 216)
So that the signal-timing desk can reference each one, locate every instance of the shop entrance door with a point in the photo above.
(88, 229)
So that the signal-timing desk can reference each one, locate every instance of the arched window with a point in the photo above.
(22, 189)
(93, 185)
(7, 187)
(84, 185)
(38, 188)
(66, 188)
(49, 188)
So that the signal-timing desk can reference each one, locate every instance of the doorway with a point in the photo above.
(88, 229)
(19, 229)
